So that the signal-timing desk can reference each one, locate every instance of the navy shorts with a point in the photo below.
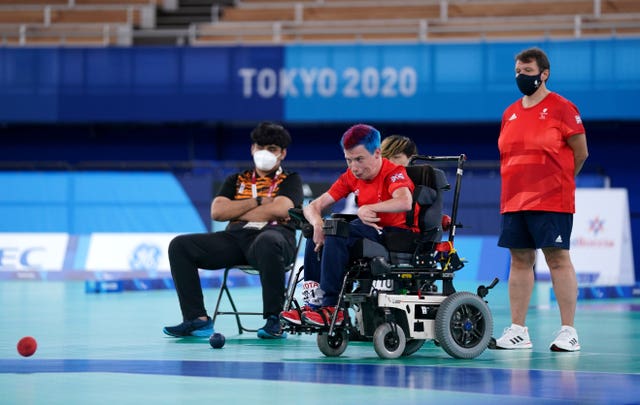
(535, 230)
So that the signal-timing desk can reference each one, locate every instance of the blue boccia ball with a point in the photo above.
(217, 340)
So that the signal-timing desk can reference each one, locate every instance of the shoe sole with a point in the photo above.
(264, 335)
(291, 321)
(195, 333)
(555, 348)
(308, 321)
(202, 333)
(522, 347)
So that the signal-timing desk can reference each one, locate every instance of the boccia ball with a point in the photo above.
(27, 346)
(217, 340)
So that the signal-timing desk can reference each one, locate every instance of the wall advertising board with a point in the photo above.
(601, 239)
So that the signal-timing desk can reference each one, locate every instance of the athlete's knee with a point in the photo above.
(177, 245)
(557, 259)
(523, 258)
(269, 243)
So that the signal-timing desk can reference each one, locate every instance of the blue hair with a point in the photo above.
(361, 134)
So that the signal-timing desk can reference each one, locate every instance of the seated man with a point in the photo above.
(398, 149)
(256, 204)
(383, 196)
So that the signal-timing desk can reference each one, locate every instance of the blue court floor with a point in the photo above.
(109, 348)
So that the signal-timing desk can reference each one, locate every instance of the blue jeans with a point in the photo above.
(330, 264)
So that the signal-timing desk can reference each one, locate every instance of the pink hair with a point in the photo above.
(361, 134)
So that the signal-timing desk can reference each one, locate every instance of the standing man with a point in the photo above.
(383, 193)
(256, 203)
(542, 148)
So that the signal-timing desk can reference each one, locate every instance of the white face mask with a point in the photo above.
(265, 160)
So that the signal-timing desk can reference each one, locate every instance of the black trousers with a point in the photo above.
(269, 250)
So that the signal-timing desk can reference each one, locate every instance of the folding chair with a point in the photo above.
(224, 289)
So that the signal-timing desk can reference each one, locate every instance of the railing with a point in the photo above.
(73, 23)
(141, 15)
(46, 25)
(445, 6)
(423, 30)
(282, 21)
(76, 34)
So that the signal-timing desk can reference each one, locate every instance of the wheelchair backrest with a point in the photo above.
(429, 183)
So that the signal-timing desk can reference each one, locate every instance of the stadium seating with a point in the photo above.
(82, 22)
(74, 34)
(282, 21)
(110, 22)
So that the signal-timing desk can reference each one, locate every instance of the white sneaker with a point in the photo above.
(514, 337)
(566, 341)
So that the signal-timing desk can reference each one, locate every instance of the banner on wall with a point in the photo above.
(420, 82)
(28, 252)
(129, 252)
(601, 248)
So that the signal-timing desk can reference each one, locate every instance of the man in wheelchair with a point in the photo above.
(384, 194)
(384, 262)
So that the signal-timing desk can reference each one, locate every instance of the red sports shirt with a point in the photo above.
(536, 163)
(381, 188)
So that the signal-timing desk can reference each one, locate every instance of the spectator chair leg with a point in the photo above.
(224, 289)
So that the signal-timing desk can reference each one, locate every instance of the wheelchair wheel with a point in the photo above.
(413, 346)
(389, 340)
(333, 346)
(464, 325)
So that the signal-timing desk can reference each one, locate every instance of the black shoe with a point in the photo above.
(272, 329)
(196, 327)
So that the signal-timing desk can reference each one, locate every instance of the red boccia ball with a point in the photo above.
(27, 346)
(446, 222)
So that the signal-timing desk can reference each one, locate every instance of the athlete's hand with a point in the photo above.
(368, 216)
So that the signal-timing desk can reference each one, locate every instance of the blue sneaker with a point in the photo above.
(196, 327)
(272, 329)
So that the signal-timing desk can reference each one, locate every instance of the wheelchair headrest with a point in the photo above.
(426, 175)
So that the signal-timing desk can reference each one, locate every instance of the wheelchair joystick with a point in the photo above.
(307, 230)
(484, 291)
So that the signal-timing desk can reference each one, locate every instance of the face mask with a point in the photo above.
(265, 160)
(528, 84)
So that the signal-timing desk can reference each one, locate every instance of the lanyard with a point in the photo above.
(254, 188)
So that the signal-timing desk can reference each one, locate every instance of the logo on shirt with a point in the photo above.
(396, 177)
(578, 119)
(513, 117)
(544, 113)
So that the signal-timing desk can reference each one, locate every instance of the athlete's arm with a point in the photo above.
(401, 200)
(313, 214)
(578, 143)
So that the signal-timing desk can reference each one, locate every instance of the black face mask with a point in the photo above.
(528, 84)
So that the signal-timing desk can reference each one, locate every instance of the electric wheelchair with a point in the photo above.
(400, 294)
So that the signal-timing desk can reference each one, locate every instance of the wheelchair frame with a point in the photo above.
(398, 306)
